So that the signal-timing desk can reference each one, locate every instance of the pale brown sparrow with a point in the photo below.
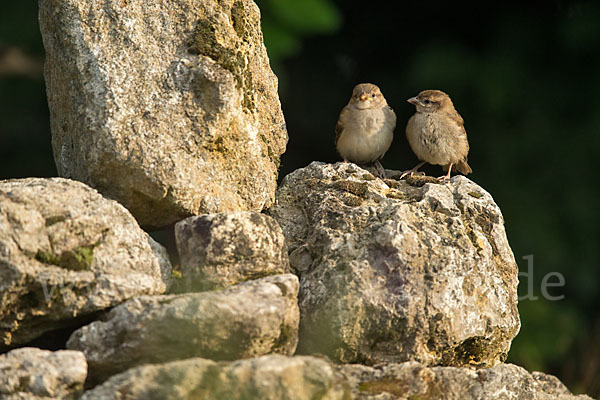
(365, 128)
(436, 133)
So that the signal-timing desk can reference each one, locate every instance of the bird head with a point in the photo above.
(367, 95)
(431, 100)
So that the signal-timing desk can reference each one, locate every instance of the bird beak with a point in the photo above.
(413, 100)
(363, 97)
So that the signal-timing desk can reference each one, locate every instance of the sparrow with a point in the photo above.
(436, 133)
(365, 128)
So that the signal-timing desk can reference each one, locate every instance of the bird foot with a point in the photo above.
(379, 169)
(411, 172)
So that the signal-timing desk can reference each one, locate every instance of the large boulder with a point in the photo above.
(66, 253)
(271, 377)
(221, 250)
(398, 270)
(171, 108)
(247, 320)
(30, 373)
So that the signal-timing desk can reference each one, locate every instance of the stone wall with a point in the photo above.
(339, 285)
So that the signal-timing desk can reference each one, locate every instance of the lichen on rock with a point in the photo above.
(77, 259)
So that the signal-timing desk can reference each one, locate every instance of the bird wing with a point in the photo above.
(339, 127)
(462, 133)
(454, 116)
(391, 113)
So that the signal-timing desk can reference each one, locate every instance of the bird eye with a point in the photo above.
(427, 101)
(373, 95)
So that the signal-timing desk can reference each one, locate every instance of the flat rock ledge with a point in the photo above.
(275, 377)
(247, 320)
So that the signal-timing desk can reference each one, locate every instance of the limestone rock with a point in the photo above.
(176, 99)
(65, 253)
(398, 270)
(412, 380)
(30, 373)
(221, 250)
(247, 320)
(271, 377)
(305, 377)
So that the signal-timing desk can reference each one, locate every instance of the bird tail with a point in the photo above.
(463, 167)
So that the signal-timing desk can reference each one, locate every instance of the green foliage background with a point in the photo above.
(525, 77)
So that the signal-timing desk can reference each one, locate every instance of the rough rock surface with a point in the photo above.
(305, 377)
(67, 252)
(398, 270)
(30, 373)
(247, 320)
(271, 377)
(221, 250)
(412, 380)
(177, 99)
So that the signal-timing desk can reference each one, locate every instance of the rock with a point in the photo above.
(65, 253)
(412, 380)
(271, 377)
(398, 270)
(305, 377)
(30, 373)
(221, 250)
(177, 100)
(247, 320)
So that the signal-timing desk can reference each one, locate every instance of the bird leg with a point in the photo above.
(447, 176)
(413, 171)
(379, 169)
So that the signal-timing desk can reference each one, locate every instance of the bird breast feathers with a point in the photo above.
(369, 121)
(434, 122)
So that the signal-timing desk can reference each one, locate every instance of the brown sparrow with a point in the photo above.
(436, 133)
(365, 128)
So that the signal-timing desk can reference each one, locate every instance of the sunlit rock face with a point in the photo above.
(398, 270)
(171, 108)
